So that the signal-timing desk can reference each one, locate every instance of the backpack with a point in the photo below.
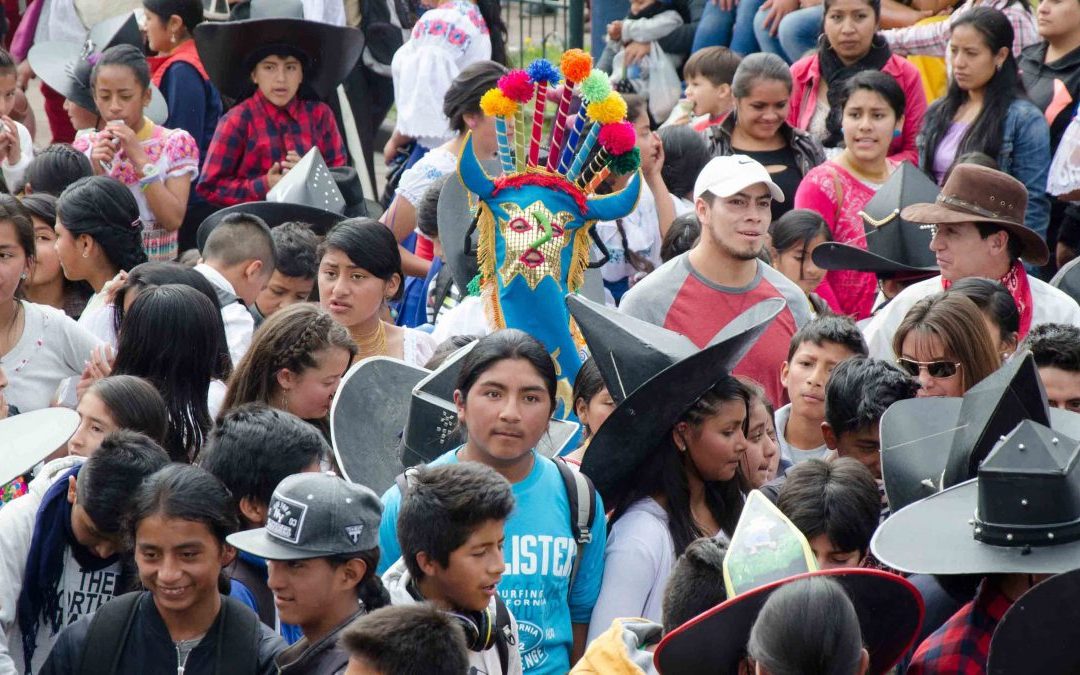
(580, 492)
(111, 625)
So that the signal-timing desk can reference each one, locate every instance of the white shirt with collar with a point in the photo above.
(239, 324)
(1049, 305)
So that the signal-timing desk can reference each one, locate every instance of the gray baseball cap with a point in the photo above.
(315, 515)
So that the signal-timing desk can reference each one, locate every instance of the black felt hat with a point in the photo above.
(1035, 635)
(929, 444)
(29, 438)
(1021, 515)
(226, 50)
(65, 66)
(654, 375)
(456, 214)
(894, 246)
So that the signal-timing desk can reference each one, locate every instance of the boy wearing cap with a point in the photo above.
(451, 531)
(979, 231)
(321, 542)
(699, 292)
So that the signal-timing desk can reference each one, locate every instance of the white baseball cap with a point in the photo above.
(725, 176)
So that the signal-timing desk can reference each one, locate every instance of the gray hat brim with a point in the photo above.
(29, 438)
(259, 542)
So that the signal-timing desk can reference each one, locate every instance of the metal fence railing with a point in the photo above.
(543, 28)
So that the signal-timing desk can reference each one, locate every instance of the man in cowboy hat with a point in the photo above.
(978, 232)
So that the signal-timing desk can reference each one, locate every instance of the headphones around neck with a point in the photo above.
(479, 627)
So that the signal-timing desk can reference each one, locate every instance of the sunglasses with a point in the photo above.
(936, 369)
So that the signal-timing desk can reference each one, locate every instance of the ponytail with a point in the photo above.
(492, 13)
(370, 591)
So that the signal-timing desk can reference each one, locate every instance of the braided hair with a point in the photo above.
(288, 339)
(105, 210)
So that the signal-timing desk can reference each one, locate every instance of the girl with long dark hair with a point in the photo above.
(47, 284)
(792, 240)
(986, 110)
(118, 402)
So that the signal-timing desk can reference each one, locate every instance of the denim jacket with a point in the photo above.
(1024, 155)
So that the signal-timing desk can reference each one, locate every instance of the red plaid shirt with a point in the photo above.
(962, 643)
(256, 133)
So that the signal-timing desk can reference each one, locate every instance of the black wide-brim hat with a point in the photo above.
(1036, 634)
(275, 214)
(642, 418)
(889, 609)
(226, 49)
(894, 246)
(29, 438)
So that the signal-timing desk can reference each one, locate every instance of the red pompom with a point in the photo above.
(516, 86)
(617, 137)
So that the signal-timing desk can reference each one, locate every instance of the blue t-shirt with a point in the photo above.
(539, 550)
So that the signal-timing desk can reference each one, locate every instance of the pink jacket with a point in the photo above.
(806, 74)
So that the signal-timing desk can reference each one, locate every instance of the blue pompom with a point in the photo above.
(542, 70)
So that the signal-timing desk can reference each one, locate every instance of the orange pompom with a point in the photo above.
(575, 65)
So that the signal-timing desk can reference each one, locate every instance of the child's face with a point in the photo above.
(718, 445)
(761, 449)
(863, 445)
(829, 558)
(471, 576)
(351, 294)
(304, 590)
(278, 78)
(283, 291)
(80, 117)
(806, 375)
(797, 264)
(86, 532)
(119, 96)
(595, 411)
(308, 394)
(179, 562)
(506, 412)
(95, 423)
(8, 87)
(708, 98)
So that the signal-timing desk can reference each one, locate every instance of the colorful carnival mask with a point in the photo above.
(535, 222)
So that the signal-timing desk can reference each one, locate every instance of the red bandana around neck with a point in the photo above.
(185, 53)
(1016, 282)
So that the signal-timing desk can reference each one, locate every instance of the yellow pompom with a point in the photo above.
(608, 110)
(494, 102)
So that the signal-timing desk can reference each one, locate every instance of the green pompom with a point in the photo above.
(628, 162)
(595, 87)
(473, 288)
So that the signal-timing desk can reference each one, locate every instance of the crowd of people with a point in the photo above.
(752, 346)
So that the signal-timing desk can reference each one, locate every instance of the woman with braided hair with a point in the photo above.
(296, 360)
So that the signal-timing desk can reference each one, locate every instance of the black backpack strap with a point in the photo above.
(404, 479)
(505, 639)
(107, 634)
(582, 496)
(237, 648)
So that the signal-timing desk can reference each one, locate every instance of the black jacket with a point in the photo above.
(1039, 80)
(807, 149)
(322, 658)
(149, 649)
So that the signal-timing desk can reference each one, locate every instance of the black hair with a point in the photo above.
(859, 391)
(491, 11)
(184, 492)
(105, 210)
(444, 506)
(685, 154)
(294, 250)
(56, 167)
(464, 94)
(1054, 345)
(113, 473)
(240, 237)
(715, 64)
(169, 337)
(879, 83)
(508, 343)
(681, 236)
(1005, 86)
(797, 227)
(11, 211)
(153, 274)
(840, 330)
(7, 61)
(427, 210)
(587, 384)
(370, 590)
(134, 404)
(665, 471)
(446, 348)
(807, 627)
(41, 205)
(254, 447)
(408, 640)
(128, 56)
(696, 583)
(370, 245)
(189, 11)
(995, 301)
(1014, 246)
(838, 499)
(875, 6)
(759, 66)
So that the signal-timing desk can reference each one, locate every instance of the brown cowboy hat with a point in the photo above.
(977, 194)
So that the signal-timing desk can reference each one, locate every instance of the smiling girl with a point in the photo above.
(359, 274)
(156, 164)
(873, 114)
